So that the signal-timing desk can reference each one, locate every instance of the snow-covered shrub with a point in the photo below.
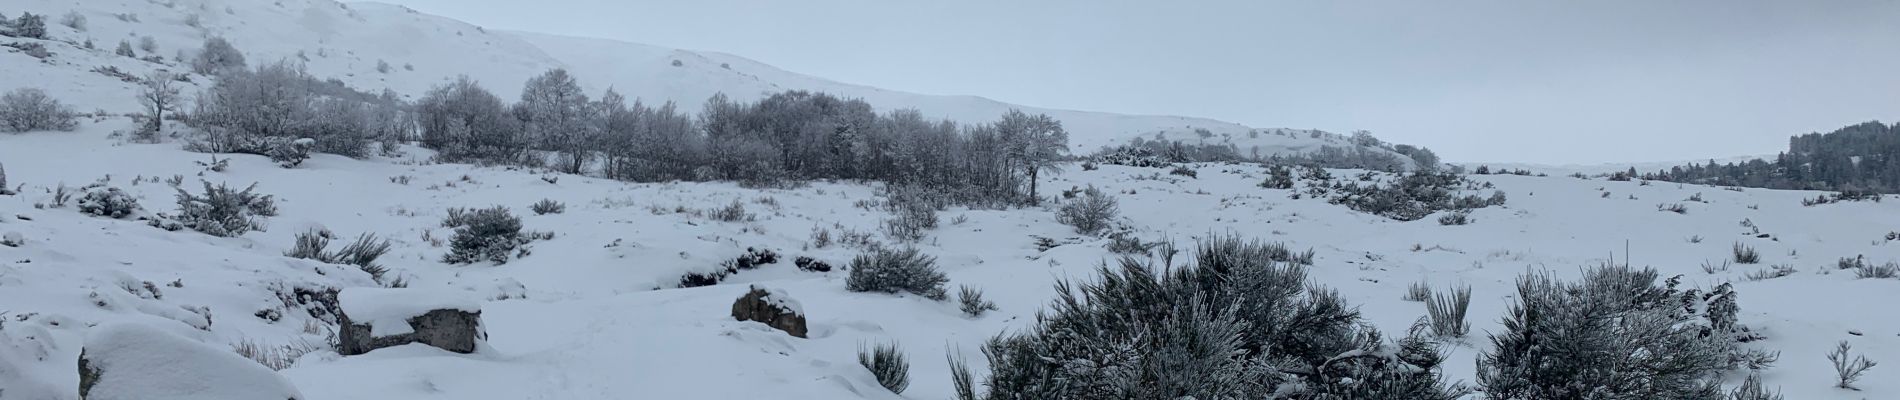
(1615, 334)
(1745, 254)
(1460, 217)
(125, 50)
(1447, 312)
(1751, 389)
(1411, 197)
(1882, 271)
(4, 190)
(362, 253)
(811, 264)
(278, 357)
(220, 211)
(910, 220)
(547, 206)
(30, 26)
(216, 57)
(888, 364)
(1232, 324)
(1129, 244)
(1278, 177)
(734, 212)
(1673, 207)
(893, 271)
(1848, 370)
(971, 301)
(1089, 214)
(1417, 291)
(490, 234)
(30, 109)
(109, 202)
(288, 153)
(1184, 170)
(73, 19)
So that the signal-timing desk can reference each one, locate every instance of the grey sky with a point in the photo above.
(1531, 81)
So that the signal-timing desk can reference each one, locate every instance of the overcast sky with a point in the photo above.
(1531, 81)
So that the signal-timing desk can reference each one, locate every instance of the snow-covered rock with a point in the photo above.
(773, 308)
(375, 318)
(137, 361)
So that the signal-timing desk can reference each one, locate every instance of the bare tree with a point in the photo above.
(158, 94)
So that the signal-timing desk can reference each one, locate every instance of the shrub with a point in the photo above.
(887, 363)
(4, 190)
(1447, 312)
(911, 221)
(361, 253)
(220, 211)
(1847, 371)
(1615, 334)
(893, 271)
(1777, 271)
(1751, 389)
(1184, 170)
(1417, 291)
(547, 206)
(1128, 244)
(1855, 262)
(1673, 207)
(1882, 271)
(1278, 177)
(30, 26)
(30, 109)
(810, 264)
(288, 153)
(484, 234)
(1231, 324)
(1089, 214)
(734, 212)
(1460, 217)
(972, 301)
(73, 19)
(1745, 255)
(109, 202)
(217, 57)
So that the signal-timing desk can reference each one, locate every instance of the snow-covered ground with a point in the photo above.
(593, 313)
(601, 317)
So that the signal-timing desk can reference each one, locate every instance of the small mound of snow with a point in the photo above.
(136, 361)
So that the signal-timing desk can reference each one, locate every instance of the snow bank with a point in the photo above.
(135, 361)
(387, 311)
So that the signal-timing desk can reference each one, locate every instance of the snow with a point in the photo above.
(595, 313)
(779, 299)
(137, 361)
(387, 310)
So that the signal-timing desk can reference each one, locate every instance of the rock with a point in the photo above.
(375, 318)
(135, 361)
(773, 308)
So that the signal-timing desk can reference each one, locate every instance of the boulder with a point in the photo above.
(375, 318)
(135, 361)
(773, 308)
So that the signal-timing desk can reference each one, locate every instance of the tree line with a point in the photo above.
(1862, 157)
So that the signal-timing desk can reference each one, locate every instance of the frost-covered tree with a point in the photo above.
(30, 109)
(463, 121)
(158, 94)
(555, 115)
(1036, 144)
(216, 57)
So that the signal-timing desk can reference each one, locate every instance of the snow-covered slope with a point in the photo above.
(593, 312)
(349, 41)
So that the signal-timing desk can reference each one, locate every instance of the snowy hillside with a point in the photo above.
(349, 41)
(594, 312)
